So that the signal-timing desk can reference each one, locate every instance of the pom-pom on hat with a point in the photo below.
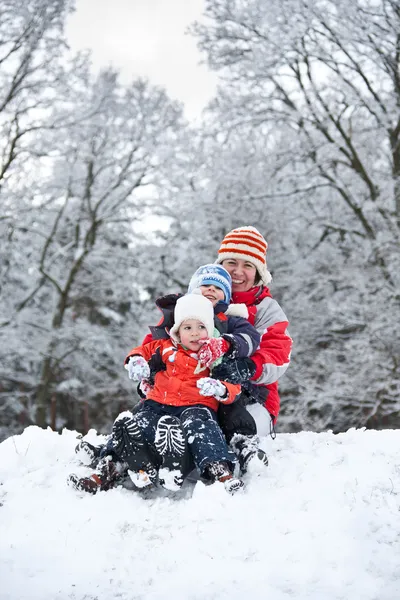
(212, 274)
(248, 244)
(193, 306)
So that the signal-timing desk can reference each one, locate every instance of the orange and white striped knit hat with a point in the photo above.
(248, 244)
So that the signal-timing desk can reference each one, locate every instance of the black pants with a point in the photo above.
(235, 418)
(232, 418)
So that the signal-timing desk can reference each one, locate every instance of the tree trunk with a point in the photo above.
(47, 376)
(53, 412)
(43, 394)
(85, 417)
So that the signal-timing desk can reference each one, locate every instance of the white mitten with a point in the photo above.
(137, 368)
(212, 387)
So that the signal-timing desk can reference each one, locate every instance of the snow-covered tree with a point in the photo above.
(32, 46)
(87, 167)
(319, 82)
(95, 192)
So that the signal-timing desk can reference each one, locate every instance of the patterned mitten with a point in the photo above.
(211, 350)
(212, 387)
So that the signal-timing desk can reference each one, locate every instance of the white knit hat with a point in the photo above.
(248, 244)
(193, 306)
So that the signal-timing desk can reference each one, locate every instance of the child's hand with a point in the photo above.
(211, 350)
(145, 387)
(212, 387)
(137, 368)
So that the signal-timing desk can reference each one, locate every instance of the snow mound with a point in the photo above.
(320, 523)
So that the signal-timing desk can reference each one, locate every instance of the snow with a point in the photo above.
(108, 313)
(70, 385)
(321, 522)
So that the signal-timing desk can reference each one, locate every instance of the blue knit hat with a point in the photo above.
(212, 274)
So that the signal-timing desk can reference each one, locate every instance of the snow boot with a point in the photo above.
(248, 452)
(130, 446)
(220, 471)
(170, 443)
(104, 478)
(88, 454)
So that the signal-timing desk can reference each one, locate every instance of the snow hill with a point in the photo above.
(321, 523)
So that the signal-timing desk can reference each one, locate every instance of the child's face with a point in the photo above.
(213, 293)
(190, 332)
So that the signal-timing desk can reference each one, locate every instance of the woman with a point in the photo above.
(243, 254)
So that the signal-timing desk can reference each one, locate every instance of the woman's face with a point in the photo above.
(243, 274)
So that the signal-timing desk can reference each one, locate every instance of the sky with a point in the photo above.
(320, 523)
(146, 38)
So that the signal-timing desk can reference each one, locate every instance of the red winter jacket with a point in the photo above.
(177, 385)
(273, 356)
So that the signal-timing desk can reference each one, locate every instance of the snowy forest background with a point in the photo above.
(302, 141)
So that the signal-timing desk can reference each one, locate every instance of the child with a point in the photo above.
(181, 408)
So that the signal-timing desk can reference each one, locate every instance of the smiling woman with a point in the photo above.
(243, 254)
(243, 274)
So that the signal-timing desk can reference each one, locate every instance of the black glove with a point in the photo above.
(235, 370)
(233, 346)
(254, 393)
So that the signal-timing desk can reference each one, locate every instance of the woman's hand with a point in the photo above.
(235, 370)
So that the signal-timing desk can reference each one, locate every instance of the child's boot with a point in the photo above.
(88, 454)
(104, 478)
(248, 452)
(170, 443)
(220, 471)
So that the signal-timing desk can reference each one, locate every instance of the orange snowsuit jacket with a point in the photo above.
(176, 385)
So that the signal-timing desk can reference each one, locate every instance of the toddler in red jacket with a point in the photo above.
(181, 407)
(180, 411)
